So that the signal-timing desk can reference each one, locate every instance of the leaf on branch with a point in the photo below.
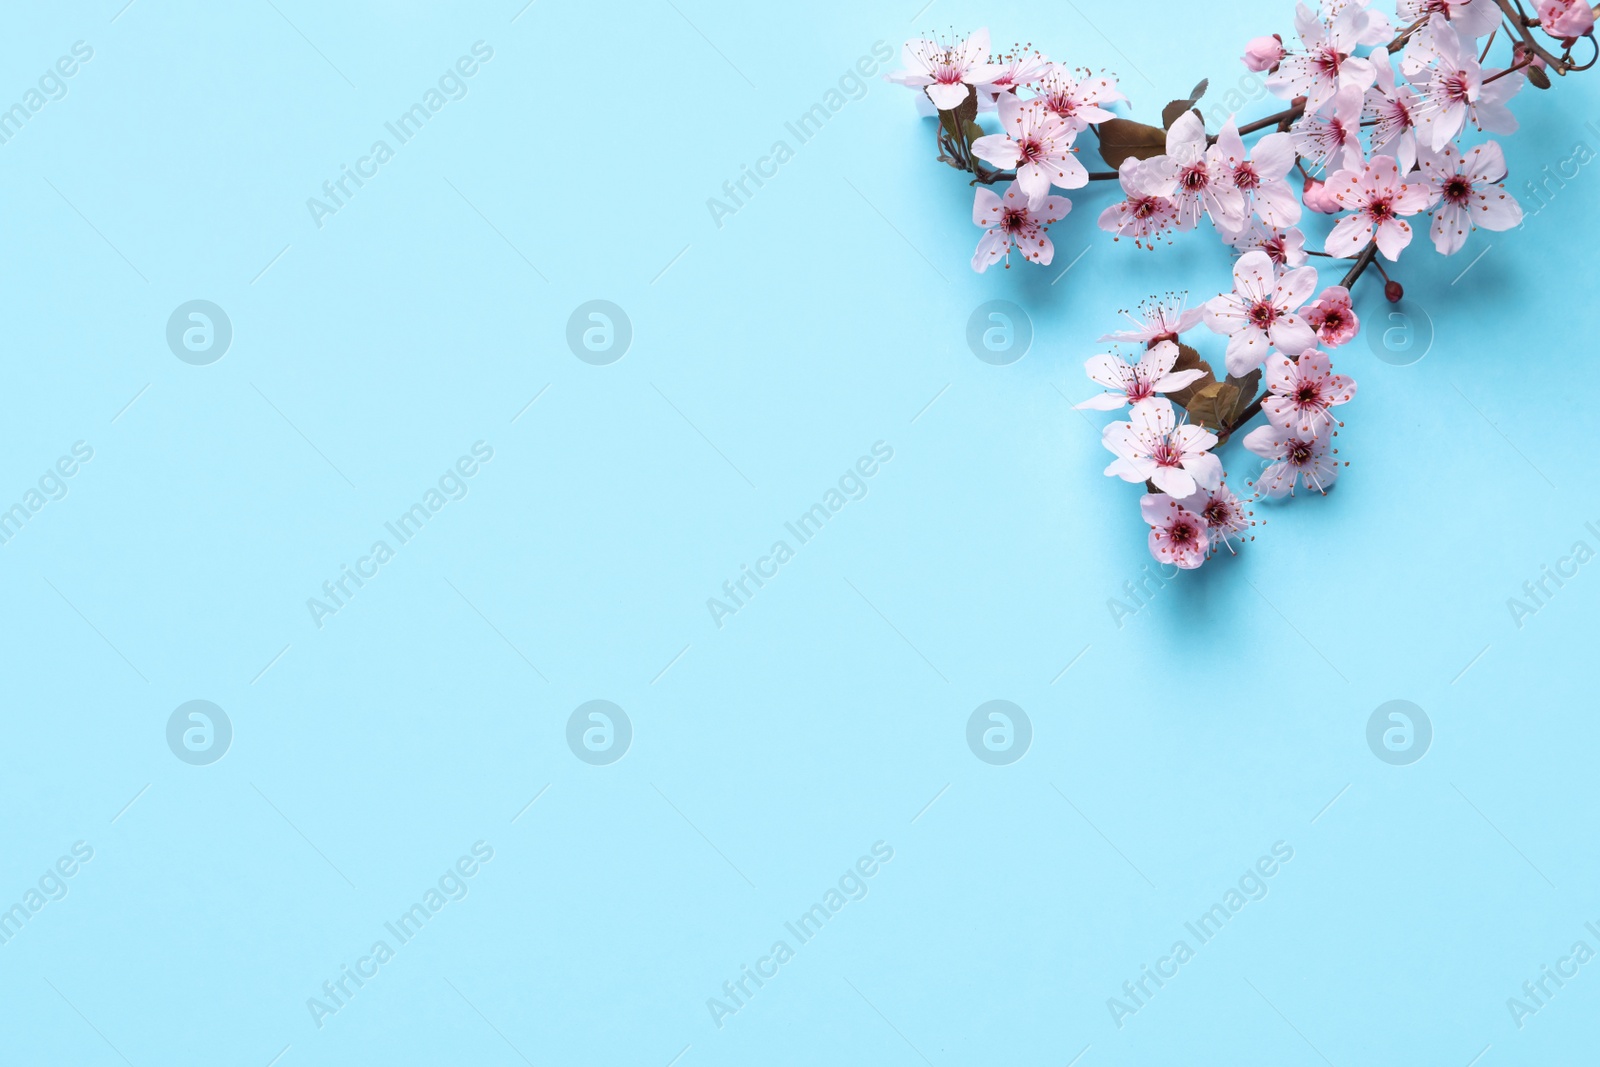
(1537, 77)
(1122, 139)
(1215, 405)
(974, 131)
(1174, 110)
(1189, 359)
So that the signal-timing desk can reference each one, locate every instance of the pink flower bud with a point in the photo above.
(1316, 198)
(1263, 53)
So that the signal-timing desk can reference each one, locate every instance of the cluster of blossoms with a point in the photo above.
(1384, 124)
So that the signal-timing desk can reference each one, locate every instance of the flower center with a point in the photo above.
(1456, 88)
(1032, 151)
(1217, 513)
(1299, 453)
(1245, 177)
(1144, 207)
(1166, 454)
(1327, 60)
(1380, 210)
(1332, 321)
(1194, 177)
(947, 74)
(1140, 390)
(1306, 394)
(1183, 533)
(1457, 189)
(1014, 221)
(1263, 314)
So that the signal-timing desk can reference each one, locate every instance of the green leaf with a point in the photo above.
(1122, 139)
(1174, 110)
(974, 131)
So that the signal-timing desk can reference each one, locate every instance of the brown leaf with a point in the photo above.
(1189, 359)
(1174, 110)
(1215, 405)
(1538, 77)
(1121, 139)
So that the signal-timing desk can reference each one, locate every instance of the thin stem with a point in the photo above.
(1288, 114)
(1362, 262)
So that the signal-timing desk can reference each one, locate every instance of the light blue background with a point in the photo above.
(767, 755)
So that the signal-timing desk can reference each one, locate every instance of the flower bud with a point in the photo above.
(1395, 292)
(1263, 53)
(1315, 196)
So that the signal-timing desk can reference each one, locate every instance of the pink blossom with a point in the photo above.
(1317, 198)
(1565, 18)
(1377, 197)
(1015, 72)
(1177, 535)
(1303, 391)
(1129, 384)
(1263, 53)
(1448, 88)
(1163, 320)
(1326, 65)
(1260, 312)
(1153, 447)
(1037, 143)
(1196, 176)
(1389, 105)
(1223, 513)
(1332, 317)
(1144, 213)
(1078, 98)
(1298, 456)
(1466, 189)
(1014, 220)
(1261, 179)
(1286, 248)
(1332, 140)
(946, 72)
(1470, 18)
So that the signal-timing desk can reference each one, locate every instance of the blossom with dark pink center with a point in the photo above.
(1177, 535)
(1132, 383)
(1303, 391)
(1260, 313)
(1078, 97)
(1388, 107)
(1378, 198)
(1333, 140)
(1333, 317)
(1153, 447)
(1224, 514)
(1260, 176)
(1037, 143)
(1467, 191)
(1196, 176)
(1144, 213)
(1326, 65)
(946, 73)
(1013, 221)
(1297, 457)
